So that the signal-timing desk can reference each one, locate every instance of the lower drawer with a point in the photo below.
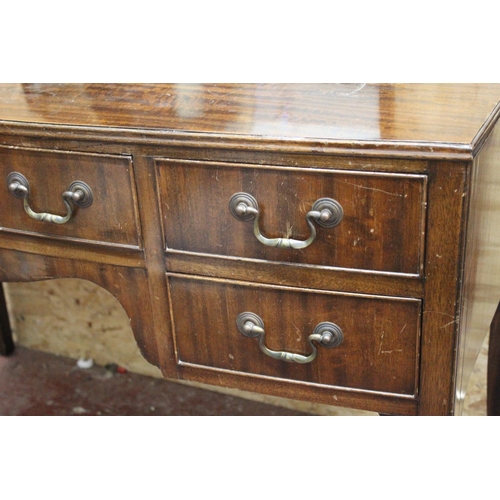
(377, 337)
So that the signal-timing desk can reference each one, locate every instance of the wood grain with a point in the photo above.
(481, 283)
(401, 159)
(124, 283)
(337, 396)
(71, 248)
(447, 212)
(381, 335)
(426, 119)
(281, 273)
(382, 228)
(155, 265)
(112, 218)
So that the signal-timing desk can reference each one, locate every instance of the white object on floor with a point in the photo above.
(84, 364)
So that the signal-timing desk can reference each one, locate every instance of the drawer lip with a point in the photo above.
(312, 168)
(339, 388)
(415, 266)
(70, 239)
(389, 403)
(290, 275)
(294, 265)
(67, 152)
(274, 286)
(85, 250)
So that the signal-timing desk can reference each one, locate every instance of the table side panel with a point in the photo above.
(446, 220)
(481, 290)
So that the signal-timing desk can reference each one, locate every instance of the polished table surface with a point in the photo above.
(431, 119)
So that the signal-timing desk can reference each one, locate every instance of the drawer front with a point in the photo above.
(382, 226)
(111, 218)
(379, 351)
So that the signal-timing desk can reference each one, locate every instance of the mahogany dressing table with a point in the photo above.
(330, 243)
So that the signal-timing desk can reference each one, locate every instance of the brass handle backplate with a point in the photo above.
(326, 334)
(78, 194)
(326, 212)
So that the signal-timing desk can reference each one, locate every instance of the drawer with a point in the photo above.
(381, 227)
(379, 350)
(111, 218)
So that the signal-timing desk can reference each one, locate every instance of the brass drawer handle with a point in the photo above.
(326, 334)
(79, 194)
(325, 212)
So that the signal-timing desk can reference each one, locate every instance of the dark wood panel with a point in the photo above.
(35, 243)
(154, 141)
(293, 275)
(481, 282)
(382, 228)
(381, 335)
(336, 396)
(448, 115)
(112, 217)
(263, 156)
(155, 259)
(447, 211)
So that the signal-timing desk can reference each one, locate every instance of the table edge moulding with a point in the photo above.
(333, 243)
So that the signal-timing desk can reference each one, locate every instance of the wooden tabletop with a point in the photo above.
(445, 120)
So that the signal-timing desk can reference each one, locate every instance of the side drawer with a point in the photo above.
(112, 217)
(379, 351)
(381, 229)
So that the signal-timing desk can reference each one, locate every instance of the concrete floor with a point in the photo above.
(36, 383)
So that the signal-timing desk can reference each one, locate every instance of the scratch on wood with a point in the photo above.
(295, 326)
(381, 342)
(443, 314)
(450, 323)
(354, 91)
(371, 189)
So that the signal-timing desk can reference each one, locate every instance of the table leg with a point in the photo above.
(6, 341)
(493, 382)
